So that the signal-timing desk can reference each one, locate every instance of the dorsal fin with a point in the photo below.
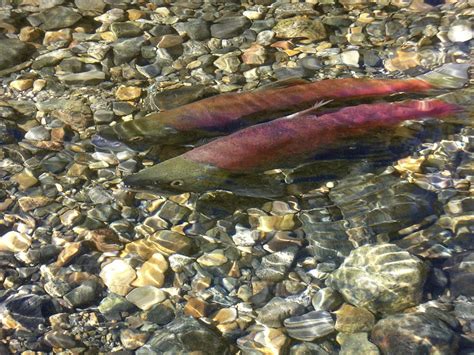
(284, 83)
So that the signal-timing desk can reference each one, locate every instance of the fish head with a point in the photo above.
(177, 175)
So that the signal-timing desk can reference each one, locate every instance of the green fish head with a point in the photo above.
(177, 175)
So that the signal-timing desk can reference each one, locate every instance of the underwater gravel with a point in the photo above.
(378, 260)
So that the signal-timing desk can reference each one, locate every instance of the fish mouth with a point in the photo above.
(136, 183)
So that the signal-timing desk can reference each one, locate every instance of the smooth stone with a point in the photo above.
(310, 326)
(14, 242)
(186, 335)
(264, 341)
(127, 93)
(228, 62)
(197, 29)
(350, 58)
(300, 26)
(58, 17)
(28, 203)
(168, 242)
(152, 272)
(38, 133)
(127, 49)
(21, 84)
(307, 348)
(196, 307)
(372, 275)
(350, 319)
(25, 179)
(92, 77)
(60, 339)
(125, 29)
(460, 31)
(326, 299)
(228, 27)
(414, 333)
(169, 40)
(255, 55)
(114, 303)
(132, 339)
(13, 52)
(278, 309)
(275, 266)
(90, 5)
(160, 314)
(146, 297)
(118, 276)
(356, 344)
(213, 258)
(168, 99)
(85, 294)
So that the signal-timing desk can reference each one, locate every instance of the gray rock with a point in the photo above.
(381, 278)
(30, 310)
(90, 5)
(310, 326)
(103, 116)
(38, 133)
(276, 310)
(275, 266)
(197, 30)
(114, 303)
(326, 299)
(58, 17)
(187, 335)
(125, 29)
(228, 27)
(125, 50)
(13, 52)
(414, 333)
(356, 344)
(92, 77)
(60, 339)
(84, 294)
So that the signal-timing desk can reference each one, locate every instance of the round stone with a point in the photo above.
(146, 297)
(117, 276)
(310, 326)
(381, 278)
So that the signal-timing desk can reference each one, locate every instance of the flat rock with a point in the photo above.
(92, 77)
(13, 52)
(228, 27)
(414, 333)
(300, 26)
(381, 278)
(310, 326)
(58, 17)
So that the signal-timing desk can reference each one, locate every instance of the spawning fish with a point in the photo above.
(226, 113)
(229, 162)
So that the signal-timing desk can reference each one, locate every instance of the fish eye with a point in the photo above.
(176, 183)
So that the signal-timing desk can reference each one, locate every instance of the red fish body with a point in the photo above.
(222, 163)
(230, 112)
(269, 144)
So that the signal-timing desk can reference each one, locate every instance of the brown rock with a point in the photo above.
(132, 339)
(134, 14)
(25, 179)
(254, 55)
(152, 272)
(22, 84)
(168, 41)
(68, 253)
(127, 93)
(105, 240)
(76, 114)
(350, 319)
(28, 203)
(64, 35)
(196, 307)
(300, 26)
(30, 34)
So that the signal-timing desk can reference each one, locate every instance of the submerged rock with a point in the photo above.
(414, 333)
(13, 52)
(382, 278)
(310, 326)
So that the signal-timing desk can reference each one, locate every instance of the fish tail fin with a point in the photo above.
(448, 76)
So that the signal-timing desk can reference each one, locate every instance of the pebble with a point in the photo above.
(92, 77)
(146, 297)
(38, 133)
(266, 341)
(276, 310)
(228, 27)
(84, 294)
(370, 277)
(414, 333)
(127, 93)
(125, 29)
(300, 26)
(118, 276)
(255, 55)
(175, 338)
(213, 258)
(310, 326)
(197, 29)
(326, 299)
(152, 272)
(132, 339)
(58, 17)
(13, 52)
(274, 266)
(460, 31)
(350, 319)
(356, 344)
(228, 62)
(21, 84)
(13, 241)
